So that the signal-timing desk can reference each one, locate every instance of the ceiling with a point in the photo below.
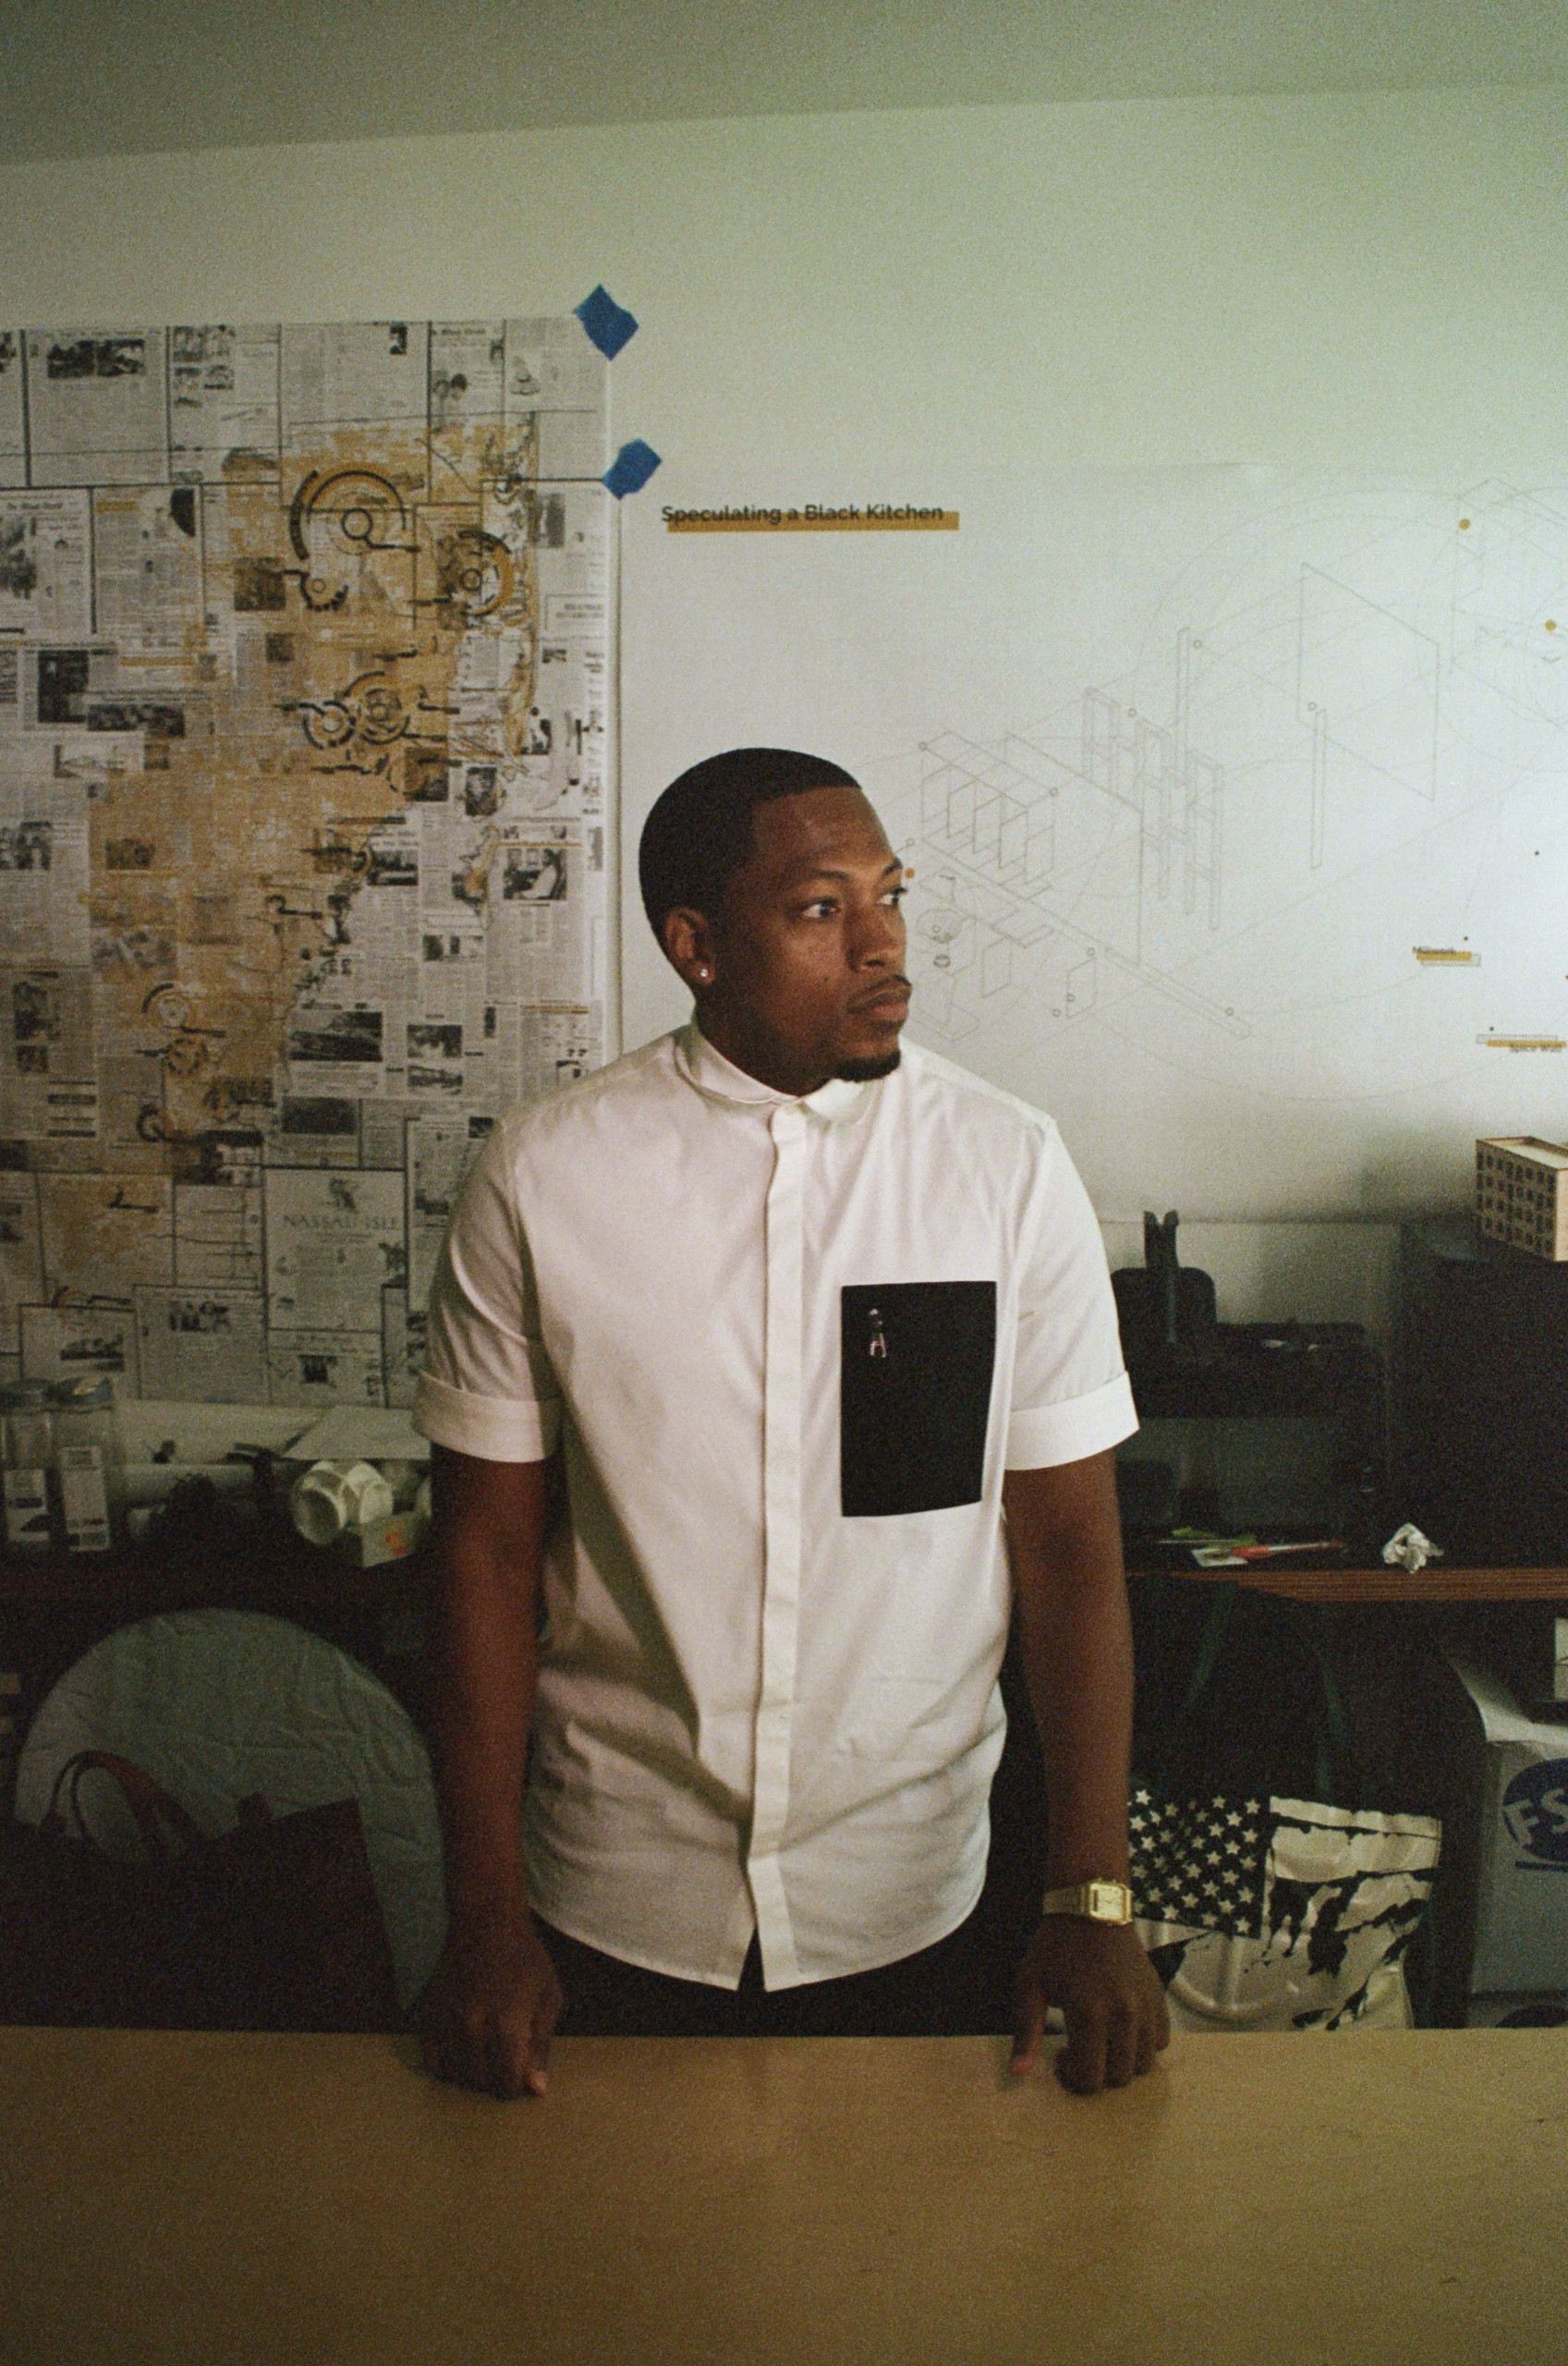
(83, 78)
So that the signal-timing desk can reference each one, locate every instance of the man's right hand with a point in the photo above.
(490, 2010)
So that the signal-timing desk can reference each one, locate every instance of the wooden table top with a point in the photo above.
(212, 2201)
(1437, 1583)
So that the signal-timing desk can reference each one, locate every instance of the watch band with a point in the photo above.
(1097, 1901)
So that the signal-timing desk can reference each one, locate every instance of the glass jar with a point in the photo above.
(27, 1453)
(88, 1465)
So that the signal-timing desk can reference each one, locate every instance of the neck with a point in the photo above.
(760, 1058)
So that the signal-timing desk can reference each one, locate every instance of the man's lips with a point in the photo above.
(892, 995)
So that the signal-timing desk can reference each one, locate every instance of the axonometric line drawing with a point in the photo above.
(1367, 668)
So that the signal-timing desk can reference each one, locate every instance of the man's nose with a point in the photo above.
(880, 936)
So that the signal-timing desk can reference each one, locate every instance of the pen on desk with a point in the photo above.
(1236, 1557)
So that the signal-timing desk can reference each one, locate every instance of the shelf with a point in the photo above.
(281, 1575)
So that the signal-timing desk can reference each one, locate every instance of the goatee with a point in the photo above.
(868, 1072)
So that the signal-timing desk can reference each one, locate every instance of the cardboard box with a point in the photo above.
(392, 1539)
(1521, 1901)
(1522, 1194)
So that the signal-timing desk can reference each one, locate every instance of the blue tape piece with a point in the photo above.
(631, 467)
(607, 324)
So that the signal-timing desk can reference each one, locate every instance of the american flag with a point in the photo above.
(1198, 1861)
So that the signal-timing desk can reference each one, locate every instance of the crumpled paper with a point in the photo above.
(1408, 1549)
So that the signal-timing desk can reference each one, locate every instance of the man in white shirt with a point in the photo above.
(818, 1338)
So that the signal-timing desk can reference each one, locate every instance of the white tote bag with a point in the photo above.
(1279, 1914)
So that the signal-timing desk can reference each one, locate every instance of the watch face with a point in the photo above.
(1098, 1901)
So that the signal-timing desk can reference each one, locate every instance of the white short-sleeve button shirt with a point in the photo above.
(788, 1348)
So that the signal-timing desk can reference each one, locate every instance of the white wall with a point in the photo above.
(1368, 282)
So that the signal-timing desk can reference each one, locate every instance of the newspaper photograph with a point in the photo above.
(97, 406)
(325, 1368)
(228, 1158)
(434, 1069)
(331, 1046)
(102, 719)
(202, 1345)
(536, 945)
(313, 1130)
(79, 1342)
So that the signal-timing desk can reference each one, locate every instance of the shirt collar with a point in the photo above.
(720, 1079)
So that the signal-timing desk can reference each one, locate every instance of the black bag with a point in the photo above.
(274, 1925)
(1166, 1310)
(1262, 1909)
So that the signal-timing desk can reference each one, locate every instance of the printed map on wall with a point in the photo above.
(303, 719)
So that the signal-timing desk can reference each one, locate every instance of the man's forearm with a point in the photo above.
(1080, 1680)
(484, 1708)
(1064, 1539)
(487, 2014)
(1076, 1641)
(488, 1663)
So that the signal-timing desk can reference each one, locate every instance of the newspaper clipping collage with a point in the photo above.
(303, 724)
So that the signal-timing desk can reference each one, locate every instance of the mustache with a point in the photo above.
(874, 994)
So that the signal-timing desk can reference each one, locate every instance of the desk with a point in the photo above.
(210, 2201)
(1436, 1583)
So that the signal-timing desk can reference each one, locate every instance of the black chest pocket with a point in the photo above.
(914, 1375)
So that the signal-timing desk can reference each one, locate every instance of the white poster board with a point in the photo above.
(1235, 803)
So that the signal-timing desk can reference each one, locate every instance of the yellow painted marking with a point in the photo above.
(1524, 1043)
(1446, 953)
(940, 521)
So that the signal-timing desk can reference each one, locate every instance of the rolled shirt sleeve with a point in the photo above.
(488, 1388)
(1071, 1395)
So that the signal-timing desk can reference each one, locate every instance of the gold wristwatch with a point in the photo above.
(1097, 1901)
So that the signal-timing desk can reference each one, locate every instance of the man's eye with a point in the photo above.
(895, 895)
(821, 909)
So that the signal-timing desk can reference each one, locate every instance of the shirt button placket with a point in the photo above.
(780, 1546)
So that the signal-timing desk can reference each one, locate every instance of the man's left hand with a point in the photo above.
(1110, 1994)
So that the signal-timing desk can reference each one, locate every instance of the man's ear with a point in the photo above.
(689, 948)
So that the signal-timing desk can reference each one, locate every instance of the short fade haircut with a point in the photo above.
(700, 831)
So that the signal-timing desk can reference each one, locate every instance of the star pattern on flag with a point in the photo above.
(1200, 1862)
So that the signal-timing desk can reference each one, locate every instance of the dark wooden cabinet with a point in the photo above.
(1482, 1396)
